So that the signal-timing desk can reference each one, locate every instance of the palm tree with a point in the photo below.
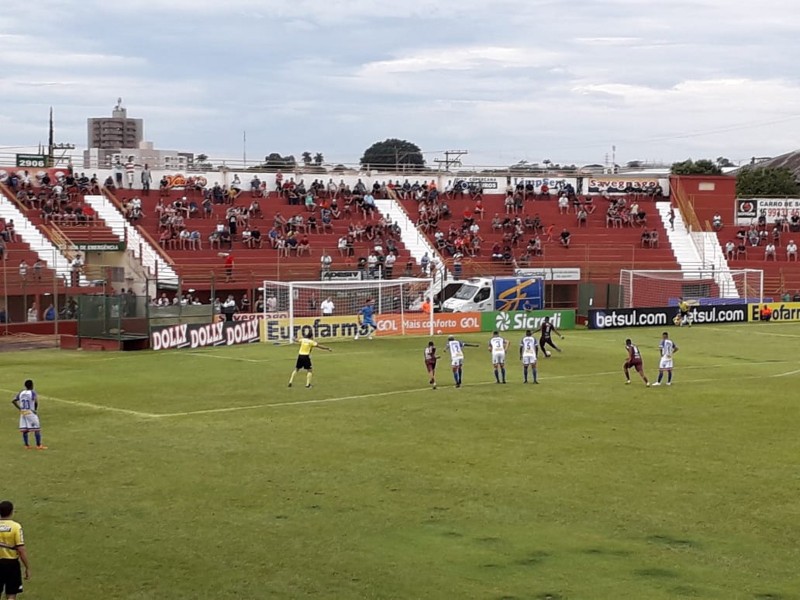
(319, 159)
(306, 158)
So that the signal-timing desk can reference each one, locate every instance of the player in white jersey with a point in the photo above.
(27, 403)
(529, 354)
(668, 349)
(456, 350)
(498, 346)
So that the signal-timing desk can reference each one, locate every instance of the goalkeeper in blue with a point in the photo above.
(366, 319)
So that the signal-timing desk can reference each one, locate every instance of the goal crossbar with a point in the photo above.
(642, 288)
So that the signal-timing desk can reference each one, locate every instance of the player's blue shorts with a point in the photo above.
(369, 322)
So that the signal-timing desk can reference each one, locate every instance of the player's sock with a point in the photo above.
(308, 379)
(460, 375)
(455, 377)
(660, 376)
(669, 377)
(291, 377)
(525, 374)
(535, 375)
(38, 436)
(503, 372)
(496, 375)
(25, 438)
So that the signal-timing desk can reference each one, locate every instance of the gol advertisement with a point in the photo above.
(781, 311)
(419, 324)
(333, 328)
(519, 320)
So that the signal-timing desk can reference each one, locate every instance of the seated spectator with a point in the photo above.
(309, 202)
(716, 222)
(769, 251)
(565, 237)
(645, 239)
(791, 251)
(195, 241)
(342, 246)
(583, 217)
(589, 205)
(794, 223)
(563, 204)
(730, 249)
(741, 250)
(303, 246)
(497, 251)
(654, 238)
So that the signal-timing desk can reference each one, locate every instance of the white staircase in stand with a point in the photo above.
(698, 253)
(413, 239)
(45, 249)
(140, 247)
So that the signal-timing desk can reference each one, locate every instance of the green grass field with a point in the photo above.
(184, 475)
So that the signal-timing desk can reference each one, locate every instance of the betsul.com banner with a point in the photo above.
(650, 317)
(199, 336)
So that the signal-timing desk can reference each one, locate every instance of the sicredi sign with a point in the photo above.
(518, 320)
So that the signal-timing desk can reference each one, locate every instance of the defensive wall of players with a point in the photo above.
(277, 327)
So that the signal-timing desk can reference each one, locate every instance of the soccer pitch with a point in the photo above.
(199, 474)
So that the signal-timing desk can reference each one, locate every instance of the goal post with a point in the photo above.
(643, 288)
(329, 310)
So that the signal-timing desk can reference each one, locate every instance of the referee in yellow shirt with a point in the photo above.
(307, 344)
(12, 551)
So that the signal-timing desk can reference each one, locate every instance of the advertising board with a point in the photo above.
(617, 318)
(519, 320)
(200, 336)
(781, 311)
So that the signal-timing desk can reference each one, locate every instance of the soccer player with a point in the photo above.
(12, 552)
(430, 362)
(668, 349)
(528, 354)
(366, 318)
(498, 346)
(547, 330)
(307, 344)
(27, 403)
(683, 307)
(456, 350)
(634, 361)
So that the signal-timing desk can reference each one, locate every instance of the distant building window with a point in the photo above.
(706, 186)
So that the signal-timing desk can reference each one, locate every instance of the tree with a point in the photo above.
(201, 163)
(306, 156)
(277, 162)
(767, 182)
(319, 159)
(393, 154)
(723, 162)
(634, 164)
(700, 167)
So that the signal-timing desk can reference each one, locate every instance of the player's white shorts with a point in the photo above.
(29, 421)
(456, 362)
(528, 359)
(665, 363)
(498, 358)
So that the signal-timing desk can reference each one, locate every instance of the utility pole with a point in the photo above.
(455, 161)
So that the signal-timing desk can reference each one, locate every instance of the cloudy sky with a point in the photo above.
(507, 80)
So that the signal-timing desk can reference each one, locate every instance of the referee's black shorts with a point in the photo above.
(303, 362)
(10, 577)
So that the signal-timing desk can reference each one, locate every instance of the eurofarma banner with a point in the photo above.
(781, 311)
(333, 328)
(518, 320)
(200, 336)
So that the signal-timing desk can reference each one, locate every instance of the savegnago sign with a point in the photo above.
(200, 336)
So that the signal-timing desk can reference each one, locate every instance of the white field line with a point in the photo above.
(125, 411)
(618, 372)
(255, 360)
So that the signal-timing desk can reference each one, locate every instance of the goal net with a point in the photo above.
(663, 288)
(331, 309)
